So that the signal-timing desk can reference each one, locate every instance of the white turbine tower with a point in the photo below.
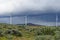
(11, 18)
(56, 20)
(25, 20)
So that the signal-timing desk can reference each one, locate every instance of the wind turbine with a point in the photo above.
(56, 20)
(11, 18)
(26, 20)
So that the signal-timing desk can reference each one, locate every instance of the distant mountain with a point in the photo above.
(30, 24)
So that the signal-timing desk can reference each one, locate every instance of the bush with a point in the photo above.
(57, 35)
(48, 31)
(44, 31)
(37, 32)
(1, 33)
(45, 37)
(13, 32)
(16, 33)
(8, 32)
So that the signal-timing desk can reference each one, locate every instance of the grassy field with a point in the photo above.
(21, 32)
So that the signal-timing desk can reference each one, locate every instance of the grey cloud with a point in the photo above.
(12, 6)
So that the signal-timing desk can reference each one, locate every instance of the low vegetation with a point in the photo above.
(21, 32)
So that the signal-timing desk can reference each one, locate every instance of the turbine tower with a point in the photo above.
(11, 18)
(25, 20)
(56, 20)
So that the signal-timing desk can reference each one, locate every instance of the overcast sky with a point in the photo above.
(47, 8)
(8, 6)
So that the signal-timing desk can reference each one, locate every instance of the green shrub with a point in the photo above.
(44, 31)
(8, 32)
(57, 35)
(1, 33)
(37, 32)
(45, 37)
(13, 32)
(48, 31)
(16, 33)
